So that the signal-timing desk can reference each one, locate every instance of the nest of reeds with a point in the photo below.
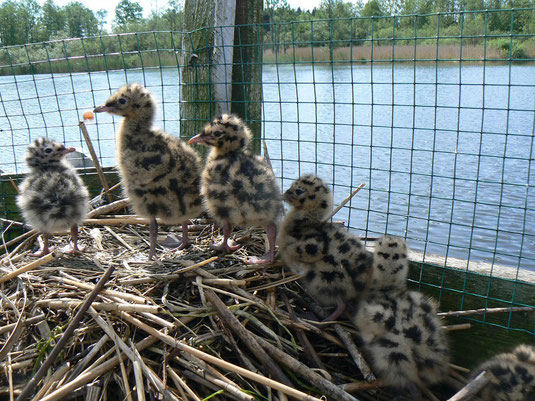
(187, 327)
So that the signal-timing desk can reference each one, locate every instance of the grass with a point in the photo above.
(43, 64)
(388, 53)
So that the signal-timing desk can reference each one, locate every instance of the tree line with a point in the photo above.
(25, 21)
(329, 32)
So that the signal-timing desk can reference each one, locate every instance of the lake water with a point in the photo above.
(446, 152)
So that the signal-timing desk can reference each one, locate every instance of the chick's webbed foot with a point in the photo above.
(45, 250)
(269, 256)
(177, 242)
(225, 246)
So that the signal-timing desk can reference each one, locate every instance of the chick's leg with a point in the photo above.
(226, 245)
(74, 237)
(45, 250)
(269, 256)
(340, 308)
(175, 241)
(185, 237)
(153, 237)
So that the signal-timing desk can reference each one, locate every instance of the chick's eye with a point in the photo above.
(48, 150)
(299, 191)
(122, 101)
(217, 134)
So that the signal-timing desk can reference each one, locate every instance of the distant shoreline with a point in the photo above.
(420, 54)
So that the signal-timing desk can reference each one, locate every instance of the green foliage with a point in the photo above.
(127, 12)
(510, 48)
(325, 33)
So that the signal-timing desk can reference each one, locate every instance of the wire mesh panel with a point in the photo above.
(435, 113)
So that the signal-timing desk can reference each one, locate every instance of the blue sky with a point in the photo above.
(149, 5)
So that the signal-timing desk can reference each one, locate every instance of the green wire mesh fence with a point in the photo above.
(434, 112)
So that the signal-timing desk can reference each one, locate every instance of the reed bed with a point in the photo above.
(189, 326)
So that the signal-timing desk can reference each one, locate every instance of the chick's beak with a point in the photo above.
(68, 150)
(288, 196)
(102, 108)
(197, 139)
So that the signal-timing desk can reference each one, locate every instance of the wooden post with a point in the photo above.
(247, 71)
(221, 67)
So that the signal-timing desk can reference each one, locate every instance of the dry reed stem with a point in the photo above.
(247, 338)
(486, 311)
(66, 335)
(319, 381)
(30, 266)
(110, 207)
(131, 354)
(118, 238)
(455, 327)
(53, 379)
(108, 307)
(20, 238)
(341, 205)
(361, 363)
(307, 345)
(472, 388)
(27, 322)
(219, 362)
(182, 384)
(95, 161)
(138, 375)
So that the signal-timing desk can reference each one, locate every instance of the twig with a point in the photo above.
(140, 388)
(30, 266)
(363, 385)
(181, 383)
(17, 190)
(91, 354)
(122, 367)
(72, 304)
(341, 205)
(167, 339)
(32, 320)
(131, 354)
(488, 310)
(54, 378)
(472, 388)
(28, 389)
(455, 327)
(118, 238)
(247, 338)
(95, 161)
(110, 207)
(355, 353)
(20, 238)
(310, 351)
(98, 371)
(317, 380)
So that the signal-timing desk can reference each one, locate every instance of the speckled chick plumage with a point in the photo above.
(512, 376)
(160, 173)
(400, 331)
(238, 187)
(335, 264)
(52, 197)
(390, 265)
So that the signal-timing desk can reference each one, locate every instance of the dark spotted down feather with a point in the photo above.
(512, 376)
(238, 187)
(52, 197)
(160, 173)
(335, 264)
